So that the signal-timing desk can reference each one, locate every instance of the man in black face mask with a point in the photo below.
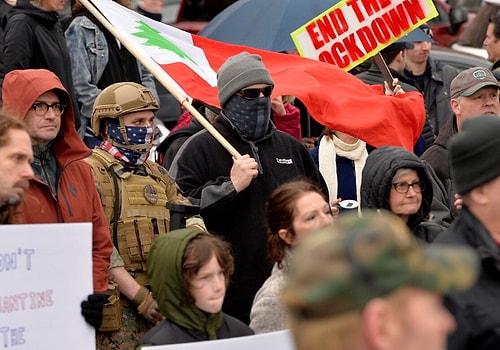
(232, 191)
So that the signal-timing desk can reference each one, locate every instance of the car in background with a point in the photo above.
(458, 59)
(450, 22)
(471, 40)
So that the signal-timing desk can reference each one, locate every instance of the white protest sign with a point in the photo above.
(45, 273)
(281, 340)
(354, 30)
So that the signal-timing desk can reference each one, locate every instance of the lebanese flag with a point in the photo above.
(332, 96)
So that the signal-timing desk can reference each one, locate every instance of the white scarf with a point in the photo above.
(327, 152)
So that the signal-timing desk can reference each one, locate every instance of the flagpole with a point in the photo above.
(154, 70)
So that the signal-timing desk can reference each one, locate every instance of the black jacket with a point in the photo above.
(34, 39)
(437, 157)
(202, 171)
(437, 80)
(477, 310)
(167, 332)
(4, 9)
(170, 146)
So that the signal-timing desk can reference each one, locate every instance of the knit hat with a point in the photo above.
(469, 81)
(238, 72)
(341, 267)
(474, 151)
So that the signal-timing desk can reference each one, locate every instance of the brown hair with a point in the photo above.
(280, 212)
(495, 19)
(7, 123)
(198, 253)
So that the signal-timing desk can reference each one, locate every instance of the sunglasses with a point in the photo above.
(253, 93)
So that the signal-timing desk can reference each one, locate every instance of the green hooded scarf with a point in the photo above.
(164, 267)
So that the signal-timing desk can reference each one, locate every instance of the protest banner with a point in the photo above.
(354, 30)
(333, 97)
(45, 273)
(281, 340)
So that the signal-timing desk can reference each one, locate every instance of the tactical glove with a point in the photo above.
(92, 308)
(147, 306)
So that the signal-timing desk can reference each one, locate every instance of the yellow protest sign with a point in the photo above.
(354, 30)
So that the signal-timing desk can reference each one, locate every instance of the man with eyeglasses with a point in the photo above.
(397, 180)
(476, 173)
(63, 189)
(232, 191)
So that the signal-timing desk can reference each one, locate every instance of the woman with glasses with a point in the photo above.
(397, 180)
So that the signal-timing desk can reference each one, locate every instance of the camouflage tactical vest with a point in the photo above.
(135, 206)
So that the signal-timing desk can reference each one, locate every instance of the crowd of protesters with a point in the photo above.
(224, 245)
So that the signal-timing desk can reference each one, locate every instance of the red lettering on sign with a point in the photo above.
(401, 17)
(367, 40)
(351, 47)
(414, 9)
(326, 29)
(339, 22)
(356, 9)
(341, 60)
(380, 30)
(371, 6)
(317, 43)
(325, 56)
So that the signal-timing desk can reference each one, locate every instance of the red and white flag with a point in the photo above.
(333, 97)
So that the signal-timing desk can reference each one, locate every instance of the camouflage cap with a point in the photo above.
(343, 266)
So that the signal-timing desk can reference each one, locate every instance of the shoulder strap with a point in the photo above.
(101, 159)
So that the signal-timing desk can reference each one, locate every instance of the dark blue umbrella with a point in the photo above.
(264, 24)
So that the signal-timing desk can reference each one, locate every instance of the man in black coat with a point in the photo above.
(476, 171)
(232, 191)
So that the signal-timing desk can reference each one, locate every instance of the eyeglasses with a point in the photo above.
(41, 108)
(253, 93)
(404, 187)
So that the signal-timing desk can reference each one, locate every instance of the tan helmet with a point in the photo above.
(119, 99)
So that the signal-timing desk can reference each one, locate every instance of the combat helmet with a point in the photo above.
(119, 99)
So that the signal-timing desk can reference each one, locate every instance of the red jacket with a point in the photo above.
(289, 122)
(77, 197)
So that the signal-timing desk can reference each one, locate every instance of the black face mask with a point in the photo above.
(250, 117)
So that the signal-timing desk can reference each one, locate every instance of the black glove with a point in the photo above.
(92, 308)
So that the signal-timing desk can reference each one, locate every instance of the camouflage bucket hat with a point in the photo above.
(343, 266)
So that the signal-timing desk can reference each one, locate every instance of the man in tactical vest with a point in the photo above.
(135, 193)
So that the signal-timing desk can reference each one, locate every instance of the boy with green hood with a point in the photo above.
(189, 270)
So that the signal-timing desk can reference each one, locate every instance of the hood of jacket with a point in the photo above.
(380, 168)
(46, 18)
(164, 267)
(21, 88)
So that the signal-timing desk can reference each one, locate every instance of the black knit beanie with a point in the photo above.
(474, 153)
